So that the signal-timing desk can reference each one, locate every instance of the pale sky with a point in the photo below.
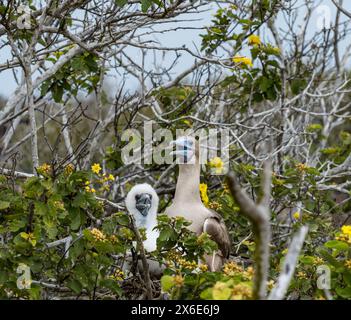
(188, 38)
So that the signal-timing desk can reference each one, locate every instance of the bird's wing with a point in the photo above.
(215, 227)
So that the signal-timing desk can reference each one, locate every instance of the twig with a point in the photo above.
(146, 273)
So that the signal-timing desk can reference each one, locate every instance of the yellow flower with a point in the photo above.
(215, 205)
(270, 284)
(225, 188)
(217, 164)
(98, 235)
(44, 169)
(203, 193)
(242, 60)
(276, 50)
(113, 239)
(29, 237)
(302, 167)
(318, 260)
(348, 264)
(126, 233)
(59, 205)
(254, 40)
(69, 169)
(187, 122)
(345, 234)
(118, 275)
(296, 215)
(96, 168)
(178, 280)
(190, 265)
(343, 237)
(203, 267)
(241, 291)
(346, 230)
(302, 275)
(231, 268)
(285, 251)
(249, 273)
(111, 177)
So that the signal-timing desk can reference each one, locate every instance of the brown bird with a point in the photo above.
(187, 202)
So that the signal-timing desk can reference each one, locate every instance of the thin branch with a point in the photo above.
(288, 268)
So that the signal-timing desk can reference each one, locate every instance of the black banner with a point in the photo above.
(173, 310)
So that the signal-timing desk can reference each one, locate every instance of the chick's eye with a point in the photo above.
(137, 197)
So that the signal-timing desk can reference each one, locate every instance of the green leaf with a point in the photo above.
(15, 225)
(112, 285)
(76, 221)
(3, 276)
(80, 201)
(265, 84)
(221, 291)
(121, 3)
(273, 63)
(77, 64)
(145, 5)
(40, 208)
(344, 292)
(122, 219)
(336, 244)
(75, 285)
(45, 88)
(57, 93)
(4, 205)
(166, 234)
(347, 278)
(50, 228)
(297, 85)
(167, 283)
(206, 294)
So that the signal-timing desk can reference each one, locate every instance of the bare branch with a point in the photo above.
(288, 268)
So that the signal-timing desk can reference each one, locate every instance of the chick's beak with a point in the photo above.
(143, 203)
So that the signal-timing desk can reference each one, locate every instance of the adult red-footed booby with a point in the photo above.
(187, 202)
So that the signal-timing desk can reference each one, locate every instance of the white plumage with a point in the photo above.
(187, 202)
(142, 203)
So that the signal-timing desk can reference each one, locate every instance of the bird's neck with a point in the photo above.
(188, 183)
(152, 221)
(148, 222)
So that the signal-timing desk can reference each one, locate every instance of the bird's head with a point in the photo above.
(142, 203)
(185, 149)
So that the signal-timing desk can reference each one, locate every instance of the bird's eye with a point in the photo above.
(137, 197)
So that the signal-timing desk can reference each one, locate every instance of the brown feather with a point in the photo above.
(216, 228)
